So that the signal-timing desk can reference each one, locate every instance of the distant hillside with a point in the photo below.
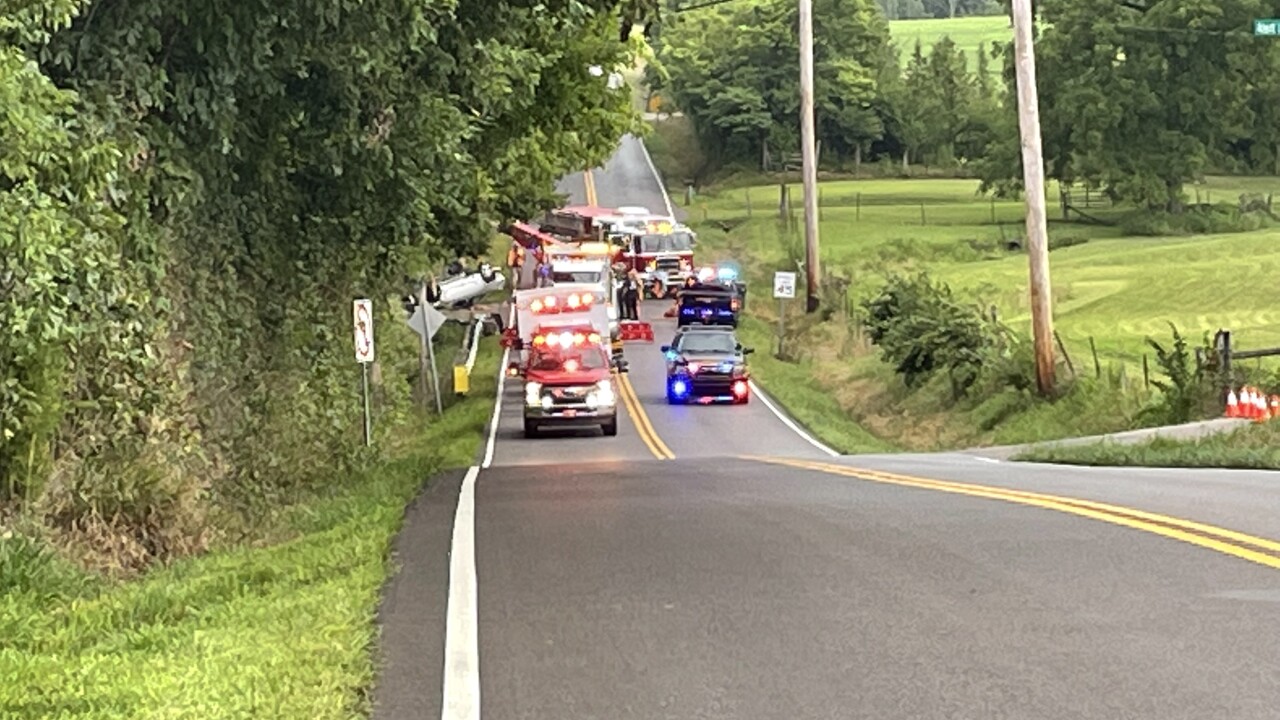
(967, 32)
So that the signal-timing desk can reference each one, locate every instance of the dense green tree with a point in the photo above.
(734, 70)
(191, 192)
(1141, 97)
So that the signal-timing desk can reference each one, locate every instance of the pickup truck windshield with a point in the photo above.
(717, 342)
(674, 242)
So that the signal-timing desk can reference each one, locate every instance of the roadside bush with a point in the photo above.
(1187, 391)
(1192, 221)
(922, 329)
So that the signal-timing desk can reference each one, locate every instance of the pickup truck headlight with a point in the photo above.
(603, 395)
(532, 394)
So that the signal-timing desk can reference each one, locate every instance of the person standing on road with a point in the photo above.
(631, 296)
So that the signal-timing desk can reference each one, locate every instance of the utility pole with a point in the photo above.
(1033, 180)
(808, 155)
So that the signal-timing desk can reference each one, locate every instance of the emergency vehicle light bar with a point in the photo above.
(565, 339)
(570, 303)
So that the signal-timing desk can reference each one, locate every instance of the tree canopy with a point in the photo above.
(1139, 98)
(733, 69)
(192, 192)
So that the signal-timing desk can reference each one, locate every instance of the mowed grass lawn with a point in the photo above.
(1117, 290)
(968, 33)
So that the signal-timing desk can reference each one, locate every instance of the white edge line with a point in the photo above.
(788, 421)
(461, 639)
(754, 387)
(671, 211)
(497, 401)
(980, 458)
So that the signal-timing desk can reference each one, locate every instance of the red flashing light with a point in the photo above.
(571, 365)
(565, 338)
(694, 367)
(553, 304)
(740, 388)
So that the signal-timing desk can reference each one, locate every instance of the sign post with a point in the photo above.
(427, 321)
(431, 349)
(784, 289)
(362, 317)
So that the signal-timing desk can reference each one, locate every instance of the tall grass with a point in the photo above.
(283, 630)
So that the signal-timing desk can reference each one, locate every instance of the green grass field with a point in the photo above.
(1116, 291)
(283, 631)
(968, 33)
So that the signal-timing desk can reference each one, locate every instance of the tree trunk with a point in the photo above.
(1174, 205)
(857, 160)
(1276, 160)
(906, 162)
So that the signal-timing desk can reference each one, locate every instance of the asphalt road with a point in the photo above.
(583, 578)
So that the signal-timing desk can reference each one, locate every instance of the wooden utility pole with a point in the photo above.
(808, 155)
(1033, 179)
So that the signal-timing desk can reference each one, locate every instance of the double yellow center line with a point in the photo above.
(1236, 544)
(635, 408)
(644, 428)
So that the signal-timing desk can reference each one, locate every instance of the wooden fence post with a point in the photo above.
(1063, 348)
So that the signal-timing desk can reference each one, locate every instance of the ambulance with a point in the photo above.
(564, 360)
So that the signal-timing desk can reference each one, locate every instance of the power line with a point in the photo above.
(701, 5)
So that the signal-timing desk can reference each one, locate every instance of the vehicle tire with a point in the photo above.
(487, 273)
(433, 292)
(742, 400)
(531, 429)
(610, 428)
(673, 400)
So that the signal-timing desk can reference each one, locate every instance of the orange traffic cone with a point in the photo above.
(1264, 412)
(1233, 405)
(1275, 407)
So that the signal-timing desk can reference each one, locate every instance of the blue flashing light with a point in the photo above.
(679, 388)
(726, 273)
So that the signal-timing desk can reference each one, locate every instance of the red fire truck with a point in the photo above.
(659, 249)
